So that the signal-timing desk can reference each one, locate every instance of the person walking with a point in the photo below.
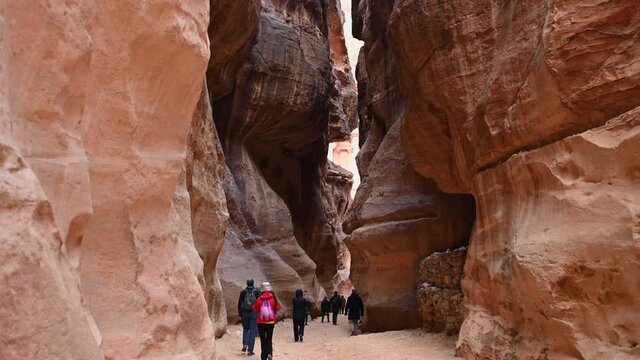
(267, 306)
(343, 304)
(325, 307)
(354, 311)
(307, 311)
(300, 305)
(335, 306)
(247, 299)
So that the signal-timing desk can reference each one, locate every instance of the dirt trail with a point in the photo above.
(326, 341)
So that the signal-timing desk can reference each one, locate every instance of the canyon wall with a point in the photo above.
(533, 109)
(398, 217)
(281, 89)
(98, 256)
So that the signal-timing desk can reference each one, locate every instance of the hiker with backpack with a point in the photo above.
(354, 311)
(300, 305)
(325, 306)
(335, 306)
(246, 301)
(267, 307)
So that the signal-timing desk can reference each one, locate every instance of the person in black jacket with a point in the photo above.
(335, 306)
(325, 307)
(354, 311)
(299, 314)
(248, 316)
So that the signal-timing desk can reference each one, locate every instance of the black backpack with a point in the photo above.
(249, 300)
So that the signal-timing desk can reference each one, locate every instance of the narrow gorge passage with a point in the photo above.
(155, 155)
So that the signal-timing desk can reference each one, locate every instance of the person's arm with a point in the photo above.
(346, 307)
(257, 305)
(240, 301)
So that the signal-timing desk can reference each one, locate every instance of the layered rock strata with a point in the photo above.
(439, 293)
(96, 108)
(281, 89)
(525, 106)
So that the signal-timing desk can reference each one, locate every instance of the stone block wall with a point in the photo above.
(439, 293)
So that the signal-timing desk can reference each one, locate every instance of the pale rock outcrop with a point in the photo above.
(42, 314)
(336, 191)
(98, 99)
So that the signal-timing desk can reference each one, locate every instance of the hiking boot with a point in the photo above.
(251, 354)
(244, 348)
(300, 338)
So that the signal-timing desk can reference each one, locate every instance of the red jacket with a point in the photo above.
(275, 305)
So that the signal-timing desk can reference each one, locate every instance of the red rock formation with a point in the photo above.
(493, 93)
(557, 243)
(398, 217)
(97, 101)
(281, 89)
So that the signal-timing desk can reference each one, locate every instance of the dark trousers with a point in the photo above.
(306, 319)
(249, 329)
(323, 315)
(298, 329)
(266, 340)
(335, 317)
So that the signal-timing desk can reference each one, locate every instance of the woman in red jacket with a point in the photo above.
(267, 307)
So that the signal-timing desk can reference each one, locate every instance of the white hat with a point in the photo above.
(266, 286)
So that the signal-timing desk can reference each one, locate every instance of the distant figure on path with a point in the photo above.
(246, 301)
(335, 306)
(354, 311)
(267, 307)
(343, 304)
(300, 305)
(325, 307)
(307, 312)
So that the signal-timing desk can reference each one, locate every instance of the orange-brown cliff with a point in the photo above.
(531, 107)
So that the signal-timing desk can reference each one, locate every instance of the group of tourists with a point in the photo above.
(258, 309)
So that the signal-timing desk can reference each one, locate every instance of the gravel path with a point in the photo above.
(326, 341)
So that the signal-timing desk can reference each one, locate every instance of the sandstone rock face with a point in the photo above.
(557, 243)
(281, 89)
(41, 310)
(439, 293)
(525, 106)
(205, 176)
(510, 77)
(398, 217)
(97, 100)
(336, 193)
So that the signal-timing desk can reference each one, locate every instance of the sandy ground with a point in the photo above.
(326, 341)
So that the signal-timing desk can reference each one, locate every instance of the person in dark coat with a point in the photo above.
(343, 304)
(354, 311)
(300, 305)
(335, 306)
(325, 307)
(248, 316)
